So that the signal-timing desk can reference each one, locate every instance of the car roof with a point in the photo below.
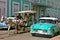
(52, 18)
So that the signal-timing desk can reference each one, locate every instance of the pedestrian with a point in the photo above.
(25, 21)
(19, 16)
(25, 18)
(30, 19)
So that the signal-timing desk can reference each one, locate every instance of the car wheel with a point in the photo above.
(53, 35)
(58, 32)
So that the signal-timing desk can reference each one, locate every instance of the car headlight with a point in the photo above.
(49, 28)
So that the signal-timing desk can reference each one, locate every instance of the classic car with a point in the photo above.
(4, 24)
(45, 26)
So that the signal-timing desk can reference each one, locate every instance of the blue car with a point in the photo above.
(3, 24)
(45, 26)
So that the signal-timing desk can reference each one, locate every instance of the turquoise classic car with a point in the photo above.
(45, 26)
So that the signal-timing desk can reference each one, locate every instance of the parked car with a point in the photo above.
(3, 24)
(45, 26)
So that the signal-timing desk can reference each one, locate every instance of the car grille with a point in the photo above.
(36, 30)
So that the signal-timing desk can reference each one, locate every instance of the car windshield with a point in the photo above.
(47, 21)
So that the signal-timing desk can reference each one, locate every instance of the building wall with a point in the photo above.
(25, 5)
(22, 5)
(7, 8)
(14, 6)
(39, 6)
(55, 10)
(50, 7)
(3, 8)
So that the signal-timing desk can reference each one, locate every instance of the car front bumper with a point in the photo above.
(41, 33)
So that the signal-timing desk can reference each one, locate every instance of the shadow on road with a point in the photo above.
(44, 36)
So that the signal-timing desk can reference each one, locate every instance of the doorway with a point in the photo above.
(42, 11)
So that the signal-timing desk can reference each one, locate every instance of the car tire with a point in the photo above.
(58, 32)
(53, 34)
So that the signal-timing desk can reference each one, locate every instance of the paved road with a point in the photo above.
(21, 36)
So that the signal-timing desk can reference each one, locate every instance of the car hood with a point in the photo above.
(43, 25)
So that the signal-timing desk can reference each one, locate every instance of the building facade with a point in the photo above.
(7, 7)
(55, 10)
(47, 7)
(43, 7)
(3, 7)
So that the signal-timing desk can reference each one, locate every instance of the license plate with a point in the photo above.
(40, 31)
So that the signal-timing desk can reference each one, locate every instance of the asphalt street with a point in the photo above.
(19, 36)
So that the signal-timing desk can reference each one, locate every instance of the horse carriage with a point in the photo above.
(19, 26)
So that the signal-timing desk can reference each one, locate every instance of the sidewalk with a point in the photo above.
(56, 38)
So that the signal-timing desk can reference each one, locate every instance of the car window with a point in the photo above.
(47, 21)
(42, 20)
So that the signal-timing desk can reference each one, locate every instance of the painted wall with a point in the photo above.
(11, 6)
(40, 11)
(25, 2)
(54, 3)
(55, 11)
(21, 5)
(7, 8)
(3, 8)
